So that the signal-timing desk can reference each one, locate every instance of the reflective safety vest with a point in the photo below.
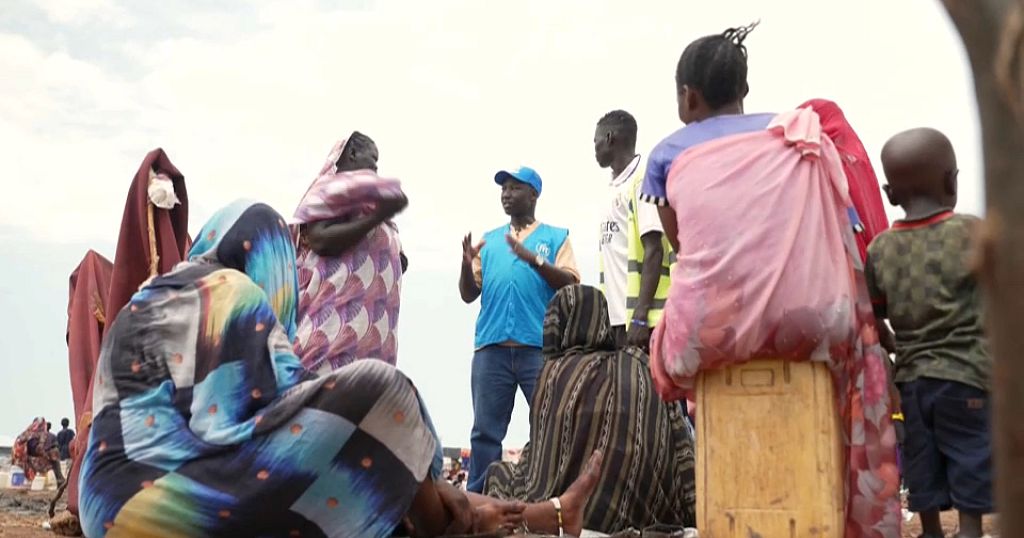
(635, 261)
(635, 255)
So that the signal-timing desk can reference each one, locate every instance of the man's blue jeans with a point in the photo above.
(497, 370)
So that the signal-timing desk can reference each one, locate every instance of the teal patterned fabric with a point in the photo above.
(206, 424)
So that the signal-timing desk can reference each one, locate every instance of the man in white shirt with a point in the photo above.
(634, 257)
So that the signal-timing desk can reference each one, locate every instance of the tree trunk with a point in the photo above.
(993, 33)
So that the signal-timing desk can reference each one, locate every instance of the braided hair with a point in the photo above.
(716, 66)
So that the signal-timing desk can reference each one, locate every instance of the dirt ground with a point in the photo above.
(23, 512)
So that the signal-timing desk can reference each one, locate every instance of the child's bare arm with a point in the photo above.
(888, 341)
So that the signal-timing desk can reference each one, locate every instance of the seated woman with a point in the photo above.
(592, 397)
(35, 451)
(755, 206)
(206, 424)
(350, 260)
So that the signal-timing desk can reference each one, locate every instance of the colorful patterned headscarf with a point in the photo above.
(252, 238)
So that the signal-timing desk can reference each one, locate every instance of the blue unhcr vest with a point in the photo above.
(514, 295)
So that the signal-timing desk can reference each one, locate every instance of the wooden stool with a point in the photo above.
(769, 452)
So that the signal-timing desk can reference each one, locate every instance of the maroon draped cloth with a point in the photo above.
(133, 260)
(142, 252)
(87, 318)
(865, 193)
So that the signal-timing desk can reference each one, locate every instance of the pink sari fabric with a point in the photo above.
(348, 304)
(790, 286)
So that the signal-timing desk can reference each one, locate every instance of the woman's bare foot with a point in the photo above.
(575, 499)
(493, 514)
(498, 515)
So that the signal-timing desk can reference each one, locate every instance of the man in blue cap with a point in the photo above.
(517, 268)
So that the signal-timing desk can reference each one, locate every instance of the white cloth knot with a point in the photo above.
(161, 191)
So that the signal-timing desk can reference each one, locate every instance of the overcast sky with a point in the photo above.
(247, 99)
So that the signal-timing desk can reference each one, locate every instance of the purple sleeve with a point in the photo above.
(653, 189)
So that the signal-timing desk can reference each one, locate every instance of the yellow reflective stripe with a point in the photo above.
(635, 253)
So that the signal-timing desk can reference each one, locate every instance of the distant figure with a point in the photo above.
(458, 477)
(53, 444)
(517, 269)
(635, 257)
(350, 260)
(920, 281)
(453, 471)
(64, 438)
(51, 438)
(35, 451)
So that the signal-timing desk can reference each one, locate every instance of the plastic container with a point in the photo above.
(17, 477)
(5, 480)
(769, 460)
(39, 483)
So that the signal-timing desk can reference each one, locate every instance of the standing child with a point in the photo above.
(919, 279)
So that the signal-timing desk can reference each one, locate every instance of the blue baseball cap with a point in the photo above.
(524, 174)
